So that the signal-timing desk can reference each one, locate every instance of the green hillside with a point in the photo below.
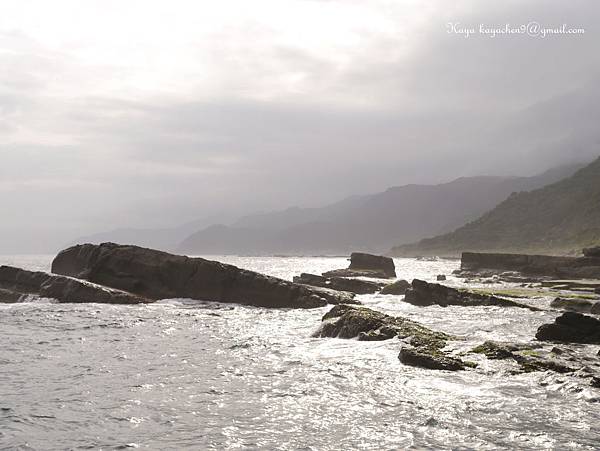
(559, 218)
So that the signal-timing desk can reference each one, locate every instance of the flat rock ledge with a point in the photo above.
(356, 286)
(425, 294)
(366, 265)
(422, 347)
(17, 284)
(571, 327)
(156, 275)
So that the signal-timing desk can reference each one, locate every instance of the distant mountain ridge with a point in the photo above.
(373, 223)
(562, 217)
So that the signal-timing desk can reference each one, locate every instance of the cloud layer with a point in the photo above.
(150, 114)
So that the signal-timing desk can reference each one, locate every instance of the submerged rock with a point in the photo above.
(575, 305)
(424, 294)
(440, 277)
(160, 275)
(424, 345)
(571, 327)
(16, 283)
(525, 356)
(339, 283)
(366, 265)
(397, 288)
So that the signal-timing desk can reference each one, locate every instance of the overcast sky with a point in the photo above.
(154, 113)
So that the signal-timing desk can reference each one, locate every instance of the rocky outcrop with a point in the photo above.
(422, 346)
(440, 277)
(333, 296)
(339, 283)
(366, 265)
(160, 275)
(16, 283)
(397, 288)
(528, 357)
(571, 327)
(576, 305)
(424, 294)
(592, 252)
(562, 267)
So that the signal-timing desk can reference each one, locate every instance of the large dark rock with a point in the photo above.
(397, 288)
(425, 294)
(571, 327)
(366, 265)
(424, 347)
(563, 267)
(339, 283)
(592, 252)
(360, 260)
(16, 283)
(160, 275)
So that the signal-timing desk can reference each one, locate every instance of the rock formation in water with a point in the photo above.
(366, 265)
(16, 283)
(561, 267)
(592, 252)
(397, 288)
(571, 327)
(576, 305)
(423, 347)
(339, 283)
(160, 275)
(424, 294)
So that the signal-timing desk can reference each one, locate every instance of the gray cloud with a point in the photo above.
(426, 107)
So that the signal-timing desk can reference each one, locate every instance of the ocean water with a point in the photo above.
(183, 374)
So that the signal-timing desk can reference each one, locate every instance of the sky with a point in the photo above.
(155, 113)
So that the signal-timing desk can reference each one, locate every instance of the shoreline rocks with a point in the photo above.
(366, 265)
(571, 327)
(15, 283)
(576, 305)
(159, 275)
(423, 347)
(587, 267)
(425, 294)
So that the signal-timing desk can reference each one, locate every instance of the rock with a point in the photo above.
(397, 288)
(360, 260)
(574, 305)
(366, 265)
(564, 267)
(533, 361)
(344, 321)
(592, 252)
(333, 296)
(595, 310)
(160, 275)
(415, 357)
(425, 294)
(441, 277)
(339, 283)
(595, 382)
(571, 327)
(21, 282)
(10, 296)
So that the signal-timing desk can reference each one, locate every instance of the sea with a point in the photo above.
(186, 374)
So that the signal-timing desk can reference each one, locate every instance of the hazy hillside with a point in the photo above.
(373, 222)
(559, 218)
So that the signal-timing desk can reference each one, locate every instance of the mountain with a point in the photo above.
(166, 239)
(372, 222)
(562, 217)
